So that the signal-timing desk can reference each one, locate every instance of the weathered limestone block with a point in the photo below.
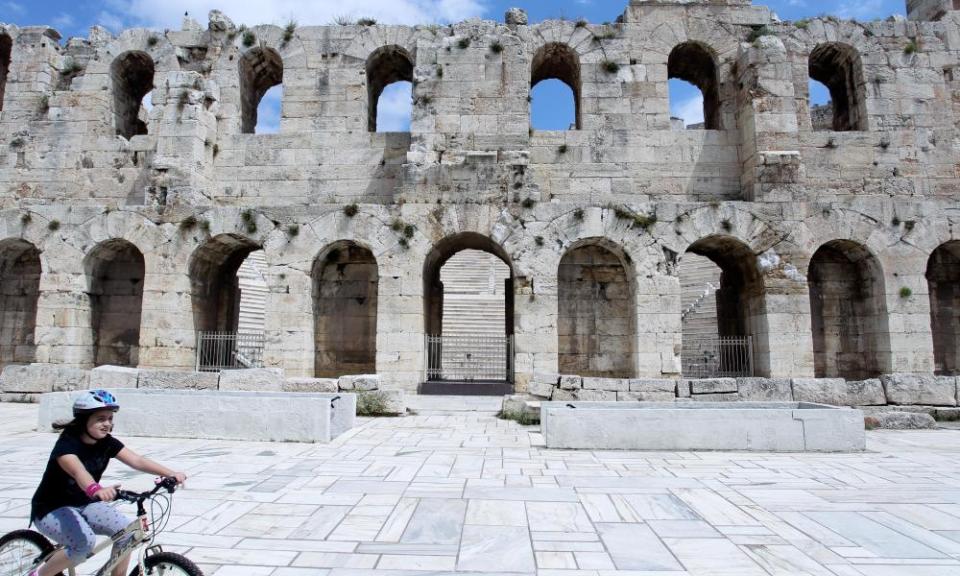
(765, 389)
(310, 385)
(597, 395)
(899, 421)
(548, 378)
(521, 405)
(713, 386)
(361, 382)
(39, 378)
(866, 393)
(541, 389)
(516, 17)
(252, 380)
(570, 382)
(718, 397)
(920, 389)
(650, 390)
(114, 377)
(176, 380)
(820, 390)
(561, 395)
(608, 384)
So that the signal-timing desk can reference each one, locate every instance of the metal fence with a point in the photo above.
(717, 357)
(229, 350)
(469, 358)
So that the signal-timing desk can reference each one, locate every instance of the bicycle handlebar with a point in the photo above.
(167, 483)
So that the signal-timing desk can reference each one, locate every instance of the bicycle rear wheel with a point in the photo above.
(167, 564)
(21, 551)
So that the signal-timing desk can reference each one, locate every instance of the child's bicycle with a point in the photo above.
(23, 550)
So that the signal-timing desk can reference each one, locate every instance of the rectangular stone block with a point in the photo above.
(546, 378)
(310, 385)
(765, 389)
(831, 391)
(214, 414)
(252, 380)
(175, 380)
(866, 393)
(114, 377)
(713, 386)
(750, 426)
(541, 389)
(596, 395)
(645, 396)
(571, 382)
(654, 386)
(608, 384)
(920, 389)
(359, 382)
(40, 378)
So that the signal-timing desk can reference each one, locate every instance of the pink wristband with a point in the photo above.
(93, 489)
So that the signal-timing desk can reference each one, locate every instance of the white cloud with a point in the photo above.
(862, 9)
(395, 107)
(169, 13)
(691, 110)
(14, 8)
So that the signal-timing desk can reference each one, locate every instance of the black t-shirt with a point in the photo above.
(57, 488)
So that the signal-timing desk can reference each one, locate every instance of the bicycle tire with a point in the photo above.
(27, 538)
(169, 559)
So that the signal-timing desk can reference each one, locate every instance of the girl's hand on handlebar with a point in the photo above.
(107, 494)
(180, 476)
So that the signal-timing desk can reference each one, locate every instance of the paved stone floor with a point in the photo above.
(465, 492)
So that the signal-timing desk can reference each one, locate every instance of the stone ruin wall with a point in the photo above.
(86, 177)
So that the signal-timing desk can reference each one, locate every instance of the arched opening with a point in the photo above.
(386, 67)
(555, 61)
(943, 277)
(19, 292)
(596, 326)
(848, 312)
(6, 46)
(838, 67)
(132, 76)
(692, 71)
(260, 70)
(468, 305)
(723, 310)
(345, 282)
(115, 271)
(228, 290)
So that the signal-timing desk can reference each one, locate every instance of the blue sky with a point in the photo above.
(551, 107)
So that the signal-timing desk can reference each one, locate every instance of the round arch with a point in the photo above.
(115, 272)
(943, 278)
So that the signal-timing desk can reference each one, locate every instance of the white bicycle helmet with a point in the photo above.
(93, 400)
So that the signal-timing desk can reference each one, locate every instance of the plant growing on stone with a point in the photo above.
(188, 223)
(496, 47)
(204, 225)
(53, 225)
(288, 31)
(372, 403)
(726, 225)
(578, 214)
(249, 221)
(906, 292)
(519, 416)
(350, 210)
(25, 218)
(610, 67)
(538, 240)
(911, 47)
(581, 23)
(644, 221)
(757, 32)
(439, 71)
(366, 22)
(152, 41)
(293, 230)
(249, 38)
(802, 24)
(562, 149)
(463, 43)
(528, 203)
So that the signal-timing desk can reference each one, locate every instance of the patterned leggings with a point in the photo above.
(76, 528)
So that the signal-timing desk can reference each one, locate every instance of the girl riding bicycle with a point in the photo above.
(70, 506)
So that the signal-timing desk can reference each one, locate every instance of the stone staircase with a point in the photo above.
(253, 293)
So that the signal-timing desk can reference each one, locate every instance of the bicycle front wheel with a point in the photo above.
(167, 564)
(21, 551)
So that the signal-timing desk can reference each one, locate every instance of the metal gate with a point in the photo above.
(229, 350)
(717, 357)
(469, 358)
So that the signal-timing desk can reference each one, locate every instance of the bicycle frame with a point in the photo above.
(138, 530)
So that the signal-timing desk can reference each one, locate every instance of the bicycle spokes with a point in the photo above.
(18, 558)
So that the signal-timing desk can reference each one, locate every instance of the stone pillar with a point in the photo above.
(535, 328)
(908, 311)
(167, 337)
(659, 326)
(289, 322)
(770, 162)
(400, 321)
(63, 331)
(784, 348)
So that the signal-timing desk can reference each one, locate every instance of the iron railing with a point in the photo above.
(229, 350)
(469, 358)
(717, 357)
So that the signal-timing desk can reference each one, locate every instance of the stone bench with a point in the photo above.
(211, 414)
(751, 426)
